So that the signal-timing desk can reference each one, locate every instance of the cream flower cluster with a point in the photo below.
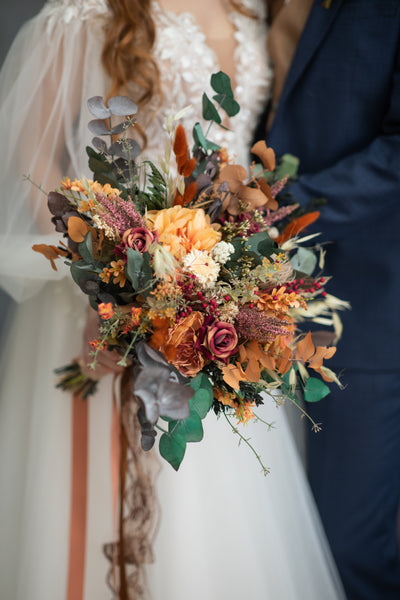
(222, 251)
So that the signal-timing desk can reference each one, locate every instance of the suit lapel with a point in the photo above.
(317, 27)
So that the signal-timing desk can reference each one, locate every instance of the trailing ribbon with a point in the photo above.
(79, 470)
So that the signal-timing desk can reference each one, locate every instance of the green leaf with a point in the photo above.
(146, 273)
(190, 429)
(288, 166)
(86, 249)
(221, 83)
(210, 113)
(203, 397)
(304, 261)
(199, 137)
(172, 448)
(229, 105)
(262, 244)
(80, 269)
(315, 390)
(133, 267)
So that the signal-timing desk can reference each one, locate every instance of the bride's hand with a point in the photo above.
(106, 361)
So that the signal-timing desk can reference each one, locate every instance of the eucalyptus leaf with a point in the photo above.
(100, 144)
(228, 104)
(80, 270)
(261, 244)
(315, 390)
(98, 127)
(304, 260)
(97, 107)
(199, 137)
(221, 83)
(86, 249)
(127, 148)
(133, 267)
(203, 397)
(119, 128)
(190, 429)
(146, 273)
(99, 165)
(122, 106)
(287, 167)
(210, 113)
(172, 448)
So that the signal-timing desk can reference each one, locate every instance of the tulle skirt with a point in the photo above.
(225, 531)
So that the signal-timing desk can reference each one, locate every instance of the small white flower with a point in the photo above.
(222, 251)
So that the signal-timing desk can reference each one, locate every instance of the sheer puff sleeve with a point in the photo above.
(51, 70)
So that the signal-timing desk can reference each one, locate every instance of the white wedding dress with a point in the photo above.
(226, 531)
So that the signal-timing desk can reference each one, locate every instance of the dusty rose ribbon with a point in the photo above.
(79, 470)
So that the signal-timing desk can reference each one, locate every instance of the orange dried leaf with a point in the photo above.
(265, 154)
(305, 348)
(233, 375)
(77, 229)
(234, 175)
(284, 361)
(321, 352)
(50, 252)
(297, 225)
(266, 189)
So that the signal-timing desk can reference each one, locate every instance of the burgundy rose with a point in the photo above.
(221, 340)
(137, 238)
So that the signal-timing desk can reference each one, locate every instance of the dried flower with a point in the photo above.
(181, 230)
(106, 311)
(202, 266)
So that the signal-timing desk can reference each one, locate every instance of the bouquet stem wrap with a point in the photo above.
(138, 508)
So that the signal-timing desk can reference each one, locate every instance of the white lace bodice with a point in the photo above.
(186, 64)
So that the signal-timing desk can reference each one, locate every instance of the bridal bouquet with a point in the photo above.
(197, 273)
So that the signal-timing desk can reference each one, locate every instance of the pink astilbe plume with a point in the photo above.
(278, 215)
(119, 214)
(254, 324)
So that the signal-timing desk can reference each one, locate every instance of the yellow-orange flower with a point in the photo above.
(181, 230)
(179, 346)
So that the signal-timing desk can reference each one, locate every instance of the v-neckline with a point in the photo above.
(175, 16)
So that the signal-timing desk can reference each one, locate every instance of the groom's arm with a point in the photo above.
(361, 187)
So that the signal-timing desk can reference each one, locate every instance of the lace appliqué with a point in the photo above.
(68, 11)
(186, 63)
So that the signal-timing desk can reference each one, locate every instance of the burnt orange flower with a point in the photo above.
(181, 230)
(179, 346)
(105, 311)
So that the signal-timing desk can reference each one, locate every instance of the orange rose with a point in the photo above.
(181, 230)
(179, 347)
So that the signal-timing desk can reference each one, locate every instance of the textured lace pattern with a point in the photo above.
(186, 63)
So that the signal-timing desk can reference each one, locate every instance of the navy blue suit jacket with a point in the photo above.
(340, 114)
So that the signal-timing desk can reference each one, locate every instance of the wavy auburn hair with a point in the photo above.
(127, 56)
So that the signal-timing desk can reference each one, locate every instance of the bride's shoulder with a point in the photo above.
(68, 10)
